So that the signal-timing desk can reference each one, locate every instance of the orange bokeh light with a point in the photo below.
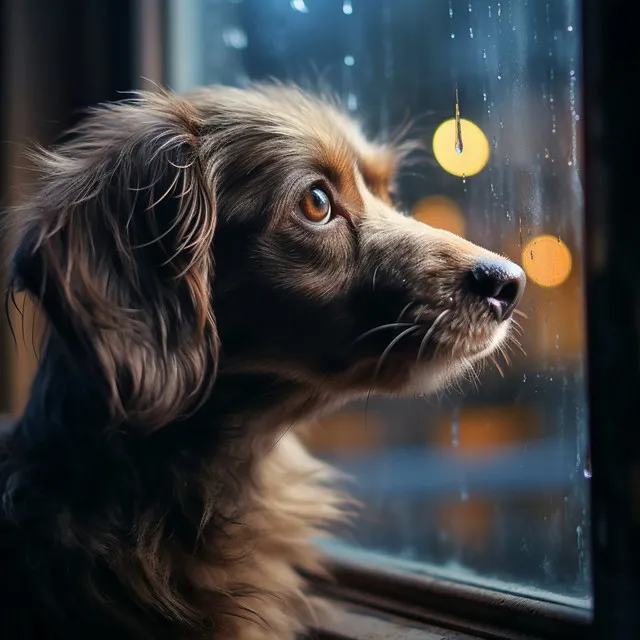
(547, 260)
(440, 212)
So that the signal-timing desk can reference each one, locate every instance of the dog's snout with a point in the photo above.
(501, 283)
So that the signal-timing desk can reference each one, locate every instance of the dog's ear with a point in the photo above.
(116, 245)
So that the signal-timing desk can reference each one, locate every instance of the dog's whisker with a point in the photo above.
(522, 314)
(425, 339)
(504, 354)
(518, 344)
(392, 344)
(373, 279)
(392, 325)
(405, 309)
(497, 366)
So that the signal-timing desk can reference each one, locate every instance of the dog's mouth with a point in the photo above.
(442, 340)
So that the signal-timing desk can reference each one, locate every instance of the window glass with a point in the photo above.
(486, 483)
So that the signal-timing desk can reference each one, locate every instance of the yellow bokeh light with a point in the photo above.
(547, 260)
(475, 148)
(440, 212)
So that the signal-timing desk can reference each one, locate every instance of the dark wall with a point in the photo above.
(58, 57)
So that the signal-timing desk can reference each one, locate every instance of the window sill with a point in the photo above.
(374, 602)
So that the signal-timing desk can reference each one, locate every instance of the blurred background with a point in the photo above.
(485, 483)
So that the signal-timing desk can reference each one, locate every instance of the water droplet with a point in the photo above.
(470, 32)
(484, 96)
(588, 473)
(470, 7)
(455, 427)
(484, 54)
(499, 10)
(464, 493)
(569, 28)
(494, 143)
(464, 179)
(450, 10)
(352, 102)
(546, 153)
(347, 7)
(453, 35)
(458, 144)
(235, 37)
(299, 5)
(577, 117)
(349, 61)
(572, 73)
(524, 378)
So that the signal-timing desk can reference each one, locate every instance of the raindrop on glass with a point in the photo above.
(235, 37)
(453, 35)
(588, 473)
(347, 7)
(349, 61)
(352, 102)
(299, 5)
(458, 145)
(569, 28)
(455, 427)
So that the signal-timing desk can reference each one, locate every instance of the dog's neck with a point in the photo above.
(242, 408)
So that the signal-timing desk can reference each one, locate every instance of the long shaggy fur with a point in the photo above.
(193, 317)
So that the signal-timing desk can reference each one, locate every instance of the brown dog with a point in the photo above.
(213, 269)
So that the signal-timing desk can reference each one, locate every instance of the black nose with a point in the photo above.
(501, 283)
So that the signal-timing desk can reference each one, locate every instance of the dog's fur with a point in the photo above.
(194, 315)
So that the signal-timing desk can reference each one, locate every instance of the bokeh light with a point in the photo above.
(440, 212)
(475, 148)
(547, 260)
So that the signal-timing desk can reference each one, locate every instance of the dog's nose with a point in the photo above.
(501, 283)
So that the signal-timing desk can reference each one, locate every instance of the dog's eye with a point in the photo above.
(315, 206)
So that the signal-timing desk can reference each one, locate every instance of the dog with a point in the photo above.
(213, 268)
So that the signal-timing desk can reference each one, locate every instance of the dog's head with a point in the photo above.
(249, 230)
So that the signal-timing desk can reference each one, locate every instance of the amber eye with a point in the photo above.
(315, 206)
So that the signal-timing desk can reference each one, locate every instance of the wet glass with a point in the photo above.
(487, 482)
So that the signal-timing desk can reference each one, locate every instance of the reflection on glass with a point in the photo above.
(485, 483)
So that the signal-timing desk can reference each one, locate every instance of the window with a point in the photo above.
(487, 484)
